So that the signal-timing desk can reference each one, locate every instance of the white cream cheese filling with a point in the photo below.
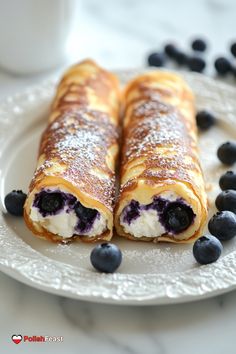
(148, 224)
(64, 223)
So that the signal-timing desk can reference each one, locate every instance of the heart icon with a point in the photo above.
(16, 338)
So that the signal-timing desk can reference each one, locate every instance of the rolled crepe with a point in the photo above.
(162, 195)
(72, 191)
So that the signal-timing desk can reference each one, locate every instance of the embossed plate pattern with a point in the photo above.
(150, 274)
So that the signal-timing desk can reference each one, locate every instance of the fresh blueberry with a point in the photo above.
(222, 66)
(86, 216)
(233, 49)
(223, 225)
(106, 257)
(50, 202)
(14, 202)
(227, 153)
(178, 217)
(228, 181)
(207, 249)
(199, 45)
(156, 59)
(181, 58)
(196, 64)
(226, 200)
(170, 50)
(205, 120)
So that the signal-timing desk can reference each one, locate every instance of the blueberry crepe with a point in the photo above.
(162, 195)
(72, 191)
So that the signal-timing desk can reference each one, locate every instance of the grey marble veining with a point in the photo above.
(206, 326)
(119, 34)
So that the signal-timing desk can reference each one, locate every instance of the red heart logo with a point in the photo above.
(16, 338)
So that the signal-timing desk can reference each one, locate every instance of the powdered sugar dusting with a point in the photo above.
(72, 144)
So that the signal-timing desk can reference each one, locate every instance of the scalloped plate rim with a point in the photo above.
(99, 297)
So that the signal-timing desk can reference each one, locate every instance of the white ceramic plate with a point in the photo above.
(150, 273)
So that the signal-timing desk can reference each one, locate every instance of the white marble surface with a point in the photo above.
(119, 34)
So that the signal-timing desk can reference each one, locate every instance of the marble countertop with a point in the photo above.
(119, 34)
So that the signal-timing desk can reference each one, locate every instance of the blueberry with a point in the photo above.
(228, 180)
(226, 200)
(86, 216)
(14, 202)
(199, 45)
(223, 225)
(50, 202)
(178, 217)
(222, 66)
(233, 49)
(205, 120)
(196, 64)
(170, 50)
(227, 153)
(131, 211)
(106, 257)
(156, 59)
(181, 58)
(207, 249)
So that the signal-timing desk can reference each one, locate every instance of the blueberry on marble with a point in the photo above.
(50, 202)
(222, 66)
(223, 225)
(199, 44)
(156, 59)
(86, 216)
(178, 217)
(196, 64)
(207, 249)
(205, 120)
(14, 202)
(228, 181)
(233, 49)
(226, 200)
(227, 153)
(131, 211)
(106, 257)
(170, 50)
(180, 57)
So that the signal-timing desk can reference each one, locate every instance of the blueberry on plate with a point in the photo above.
(227, 153)
(226, 200)
(14, 202)
(156, 59)
(106, 257)
(207, 249)
(170, 50)
(196, 64)
(228, 181)
(223, 225)
(205, 120)
(233, 49)
(199, 45)
(222, 66)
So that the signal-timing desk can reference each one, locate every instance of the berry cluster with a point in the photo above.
(222, 225)
(193, 60)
